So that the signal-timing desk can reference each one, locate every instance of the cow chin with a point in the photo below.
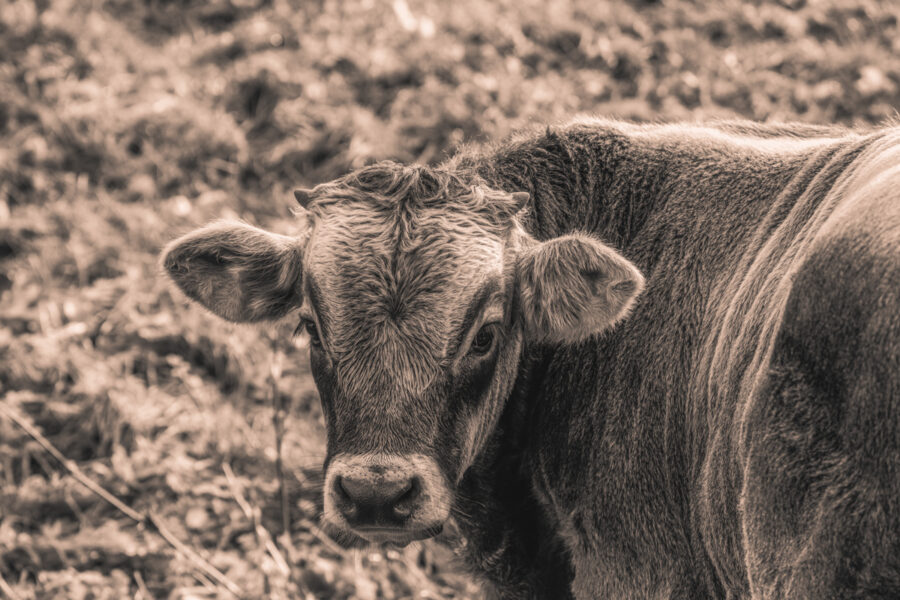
(378, 537)
(384, 499)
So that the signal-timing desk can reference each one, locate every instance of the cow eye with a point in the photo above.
(310, 328)
(483, 341)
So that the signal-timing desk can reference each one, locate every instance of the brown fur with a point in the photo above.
(734, 437)
(401, 268)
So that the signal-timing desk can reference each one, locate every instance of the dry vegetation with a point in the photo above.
(126, 122)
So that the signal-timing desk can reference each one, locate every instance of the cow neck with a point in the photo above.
(579, 180)
(510, 536)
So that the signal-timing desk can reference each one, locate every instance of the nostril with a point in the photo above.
(342, 492)
(403, 491)
(408, 499)
(343, 500)
(410, 491)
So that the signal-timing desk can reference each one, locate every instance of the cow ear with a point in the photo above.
(239, 272)
(574, 286)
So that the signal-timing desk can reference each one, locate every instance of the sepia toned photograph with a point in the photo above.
(449, 299)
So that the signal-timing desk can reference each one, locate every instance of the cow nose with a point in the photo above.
(377, 502)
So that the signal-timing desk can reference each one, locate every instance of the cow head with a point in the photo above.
(417, 291)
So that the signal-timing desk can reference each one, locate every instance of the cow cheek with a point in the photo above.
(326, 384)
(483, 403)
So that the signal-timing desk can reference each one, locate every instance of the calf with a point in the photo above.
(484, 352)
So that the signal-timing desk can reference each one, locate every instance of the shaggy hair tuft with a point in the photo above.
(390, 186)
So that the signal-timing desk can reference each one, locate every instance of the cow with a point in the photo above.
(627, 360)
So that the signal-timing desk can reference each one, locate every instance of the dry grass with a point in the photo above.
(126, 122)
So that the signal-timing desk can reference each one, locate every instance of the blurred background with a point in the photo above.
(124, 123)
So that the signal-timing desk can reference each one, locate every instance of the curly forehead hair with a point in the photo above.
(391, 186)
(398, 247)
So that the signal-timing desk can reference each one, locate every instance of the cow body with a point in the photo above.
(737, 436)
(733, 435)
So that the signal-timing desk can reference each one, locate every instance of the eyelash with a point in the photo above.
(308, 326)
(476, 350)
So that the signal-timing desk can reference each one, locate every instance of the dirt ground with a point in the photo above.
(124, 123)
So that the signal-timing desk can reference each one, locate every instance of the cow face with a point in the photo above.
(418, 292)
